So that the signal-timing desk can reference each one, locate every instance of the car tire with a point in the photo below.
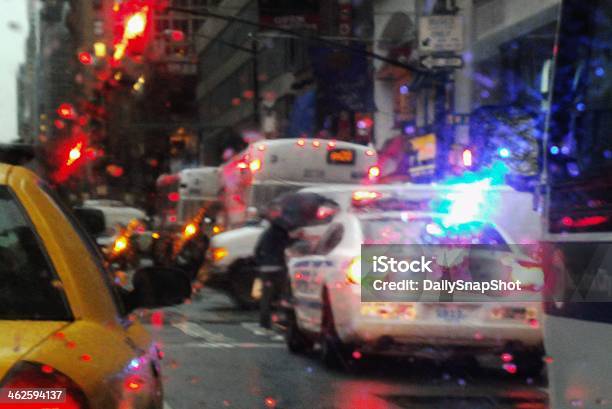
(297, 342)
(242, 276)
(334, 353)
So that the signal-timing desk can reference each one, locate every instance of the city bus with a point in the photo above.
(266, 169)
(577, 212)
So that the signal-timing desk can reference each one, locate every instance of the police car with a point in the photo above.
(327, 305)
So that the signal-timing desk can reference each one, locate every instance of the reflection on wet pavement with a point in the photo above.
(217, 357)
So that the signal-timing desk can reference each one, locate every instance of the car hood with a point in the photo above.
(20, 337)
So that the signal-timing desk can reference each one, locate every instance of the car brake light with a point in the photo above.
(316, 143)
(120, 244)
(190, 230)
(242, 165)
(353, 271)
(370, 152)
(373, 172)
(331, 144)
(301, 142)
(28, 375)
(219, 253)
(255, 165)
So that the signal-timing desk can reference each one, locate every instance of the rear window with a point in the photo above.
(29, 288)
(429, 231)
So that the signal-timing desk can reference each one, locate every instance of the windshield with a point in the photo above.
(29, 288)
(229, 125)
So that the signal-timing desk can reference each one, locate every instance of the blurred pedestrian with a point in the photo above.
(271, 266)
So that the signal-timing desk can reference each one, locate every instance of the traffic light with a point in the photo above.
(75, 153)
(66, 111)
(132, 27)
(85, 58)
(135, 24)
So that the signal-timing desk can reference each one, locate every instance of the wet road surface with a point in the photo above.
(216, 356)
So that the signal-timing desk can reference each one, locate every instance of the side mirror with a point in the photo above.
(158, 287)
(92, 220)
(300, 248)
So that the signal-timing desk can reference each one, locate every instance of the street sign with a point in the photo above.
(440, 34)
(432, 62)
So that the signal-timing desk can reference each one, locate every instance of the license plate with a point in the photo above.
(450, 314)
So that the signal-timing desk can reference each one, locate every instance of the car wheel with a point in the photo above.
(297, 342)
(242, 276)
(334, 353)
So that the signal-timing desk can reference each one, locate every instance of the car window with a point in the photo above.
(29, 287)
(430, 231)
(330, 239)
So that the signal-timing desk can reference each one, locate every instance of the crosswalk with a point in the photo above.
(216, 340)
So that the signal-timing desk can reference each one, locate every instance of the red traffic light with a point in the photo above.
(135, 24)
(66, 111)
(176, 36)
(75, 154)
(85, 58)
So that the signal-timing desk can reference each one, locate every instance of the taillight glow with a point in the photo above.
(133, 383)
(373, 172)
(301, 142)
(242, 165)
(219, 253)
(583, 222)
(331, 144)
(174, 196)
(370, 152)
(120, 244)
(190, 230)
(316, 143)
(255, 165)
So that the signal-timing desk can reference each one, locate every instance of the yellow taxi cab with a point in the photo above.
(63, 323)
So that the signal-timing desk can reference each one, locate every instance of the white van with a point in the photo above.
(197, 187)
